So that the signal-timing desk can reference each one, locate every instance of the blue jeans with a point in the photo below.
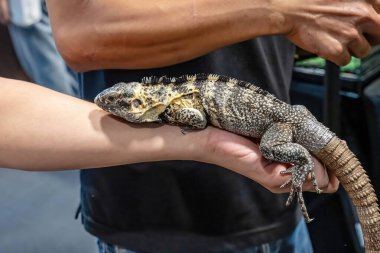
(298, 242)
(39, 58)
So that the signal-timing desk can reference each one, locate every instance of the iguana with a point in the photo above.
(287, 133)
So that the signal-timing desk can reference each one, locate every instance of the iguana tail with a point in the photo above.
(338, 158)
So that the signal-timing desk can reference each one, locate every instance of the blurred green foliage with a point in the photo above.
(317, 62)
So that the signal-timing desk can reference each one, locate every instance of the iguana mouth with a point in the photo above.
(106, 107)
(102, 102)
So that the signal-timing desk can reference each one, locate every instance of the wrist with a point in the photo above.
(172, 144)
(197, 147)
(279, 18)
(214, 147)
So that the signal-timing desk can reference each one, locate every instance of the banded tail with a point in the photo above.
(338, 158)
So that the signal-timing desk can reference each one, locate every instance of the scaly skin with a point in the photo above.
(288, 133)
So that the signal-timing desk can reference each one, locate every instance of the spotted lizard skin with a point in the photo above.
(287, 133)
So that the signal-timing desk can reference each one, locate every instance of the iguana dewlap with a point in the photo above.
(288, 134)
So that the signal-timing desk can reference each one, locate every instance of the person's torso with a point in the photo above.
(157, 207)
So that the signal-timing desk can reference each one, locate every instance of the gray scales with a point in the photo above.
(287, 133)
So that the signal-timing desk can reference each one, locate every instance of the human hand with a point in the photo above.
(243, 156)
(4, 12)
(332, 29)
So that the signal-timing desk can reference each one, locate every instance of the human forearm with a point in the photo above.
(144, 34)
(44, 130)
(149, 34)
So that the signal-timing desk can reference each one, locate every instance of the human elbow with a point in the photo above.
(74, 47)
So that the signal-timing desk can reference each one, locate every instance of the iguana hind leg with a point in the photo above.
(276, 144)
(290, 171)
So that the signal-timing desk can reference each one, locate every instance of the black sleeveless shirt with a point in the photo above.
(185, 206)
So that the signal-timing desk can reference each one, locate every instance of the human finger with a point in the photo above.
(336, 52)
(370, 28)
(373, 39)
(273, 178)
(327, 181)
(359, 47)
(333, 182)
(331, 46)
(376, 5)
(318, 178)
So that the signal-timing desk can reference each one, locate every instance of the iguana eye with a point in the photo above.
(136, 103)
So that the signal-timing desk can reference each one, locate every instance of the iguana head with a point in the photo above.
(135, 102)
